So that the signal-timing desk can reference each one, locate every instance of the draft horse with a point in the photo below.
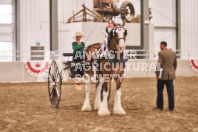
(106, 72)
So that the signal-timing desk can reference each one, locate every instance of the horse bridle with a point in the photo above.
(119, 28)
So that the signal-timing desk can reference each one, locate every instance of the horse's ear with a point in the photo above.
(124, 22)
(114, 24)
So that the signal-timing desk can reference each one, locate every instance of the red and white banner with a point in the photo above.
(37, 68)
(194, 65)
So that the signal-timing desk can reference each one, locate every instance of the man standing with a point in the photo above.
(167, 60)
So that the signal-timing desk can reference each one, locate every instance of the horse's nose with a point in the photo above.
(123, 48)
(122, 45)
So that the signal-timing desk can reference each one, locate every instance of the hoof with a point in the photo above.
(86, 108)
(97, 106)
(119, 111)
(103, 112)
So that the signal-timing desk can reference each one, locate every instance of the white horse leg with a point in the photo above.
(87, 106)
(98, 92)
(117, 109)
(103, 111)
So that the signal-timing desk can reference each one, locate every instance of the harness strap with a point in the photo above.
(115, 60)
(118, 40)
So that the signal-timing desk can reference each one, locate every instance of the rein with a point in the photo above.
(118, 40)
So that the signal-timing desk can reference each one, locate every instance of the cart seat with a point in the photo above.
(67, 54)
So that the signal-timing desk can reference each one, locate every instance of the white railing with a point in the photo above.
(182, 54)
(9, 56)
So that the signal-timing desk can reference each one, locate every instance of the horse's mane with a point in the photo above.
(110, 36)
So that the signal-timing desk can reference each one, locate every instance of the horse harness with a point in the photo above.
(113, 34)
(104, 51)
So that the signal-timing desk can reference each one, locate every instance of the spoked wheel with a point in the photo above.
(127, 11)
(54, 85)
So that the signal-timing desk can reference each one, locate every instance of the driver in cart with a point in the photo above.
(78, 48)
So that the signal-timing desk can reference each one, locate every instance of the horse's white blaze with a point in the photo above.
(122, 44)
(120, 32)
(103, 111)
(117, 109)
(87, 106)
(98, 99)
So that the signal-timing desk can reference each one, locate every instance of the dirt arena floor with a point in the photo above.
(26, 107)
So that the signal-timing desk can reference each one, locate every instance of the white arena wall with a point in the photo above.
(16, 71)
(163, 12)
(189, 27)
(34, 25)
(94, 34)
(164, 21)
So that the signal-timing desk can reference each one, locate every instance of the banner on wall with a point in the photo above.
(37, 68)
(194, 65)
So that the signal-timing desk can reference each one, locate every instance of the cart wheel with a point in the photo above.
(127, 11)
(54, 85)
